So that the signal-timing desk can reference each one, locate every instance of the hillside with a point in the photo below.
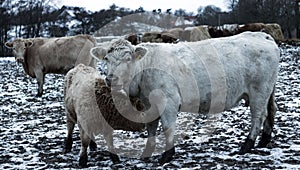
(141, 23)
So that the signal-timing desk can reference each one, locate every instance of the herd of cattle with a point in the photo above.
(205, 32)
(151, 82)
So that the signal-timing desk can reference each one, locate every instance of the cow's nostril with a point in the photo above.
(20, 60)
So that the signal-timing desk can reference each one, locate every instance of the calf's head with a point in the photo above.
(121, 58)
(19, 47)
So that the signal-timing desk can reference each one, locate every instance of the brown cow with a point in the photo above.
(40, 56)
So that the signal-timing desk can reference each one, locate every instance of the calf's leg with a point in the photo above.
(69, 139)
(85, 141)
(109, 141)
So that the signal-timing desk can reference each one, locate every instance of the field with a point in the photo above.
(32, 130)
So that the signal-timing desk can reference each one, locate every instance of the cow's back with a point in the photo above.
(215, 68)
(59, 55)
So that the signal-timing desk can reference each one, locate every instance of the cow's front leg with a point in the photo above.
(150, 145)
(168, 121)
(40, 81)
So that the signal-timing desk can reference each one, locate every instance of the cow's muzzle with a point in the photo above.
(20, 60)
(110, 79)
(113, 82)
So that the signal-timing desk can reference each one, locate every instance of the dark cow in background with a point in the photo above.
(232, 29)
(40, 56)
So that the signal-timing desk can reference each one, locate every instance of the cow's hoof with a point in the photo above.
(68, 145)
(83, 161)
(167, 156)
(247, 146)
(146, 159)
(93, 146)
(264, 141)
(66, 150)
(39, 95)
(114, 158)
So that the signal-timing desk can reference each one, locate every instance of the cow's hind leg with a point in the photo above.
(85, 141)
(269, 123)
(258, 109)
(69, 139)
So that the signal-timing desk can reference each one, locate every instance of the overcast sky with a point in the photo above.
(148, 5)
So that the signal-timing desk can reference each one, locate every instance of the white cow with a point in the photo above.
(208, 76)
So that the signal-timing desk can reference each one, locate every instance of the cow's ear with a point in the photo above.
(139, 53)
(98, 53)
(28, 44)
(9, 44)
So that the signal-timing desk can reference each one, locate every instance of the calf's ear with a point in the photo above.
(139, 53)
(28, 44)
(98, 53)
(9, 45)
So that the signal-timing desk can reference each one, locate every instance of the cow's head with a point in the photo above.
(19, 47)
(121, 58)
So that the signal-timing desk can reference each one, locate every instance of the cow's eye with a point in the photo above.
(105, 58)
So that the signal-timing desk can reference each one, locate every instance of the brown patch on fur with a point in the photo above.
(109, 111)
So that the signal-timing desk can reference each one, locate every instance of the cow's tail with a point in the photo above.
(272, 108)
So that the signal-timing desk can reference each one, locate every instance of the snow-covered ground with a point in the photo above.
(32, 130)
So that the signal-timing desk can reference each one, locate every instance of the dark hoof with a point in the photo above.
(66, 151)
(39, 94)
(146, 159)
(68, 145)
(247, 146)
(167, 156)
(264, 141)
(114, 158)
(83, 161)
(93, 146)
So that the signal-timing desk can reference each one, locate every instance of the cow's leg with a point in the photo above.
(168, 119)
(69, 139)
(109, 141)
(85, 141)
(40, 81)
(150, 145)
(93, 145)
(269, 123)
(258, 110)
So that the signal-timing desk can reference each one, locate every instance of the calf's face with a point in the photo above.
(19, 48)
